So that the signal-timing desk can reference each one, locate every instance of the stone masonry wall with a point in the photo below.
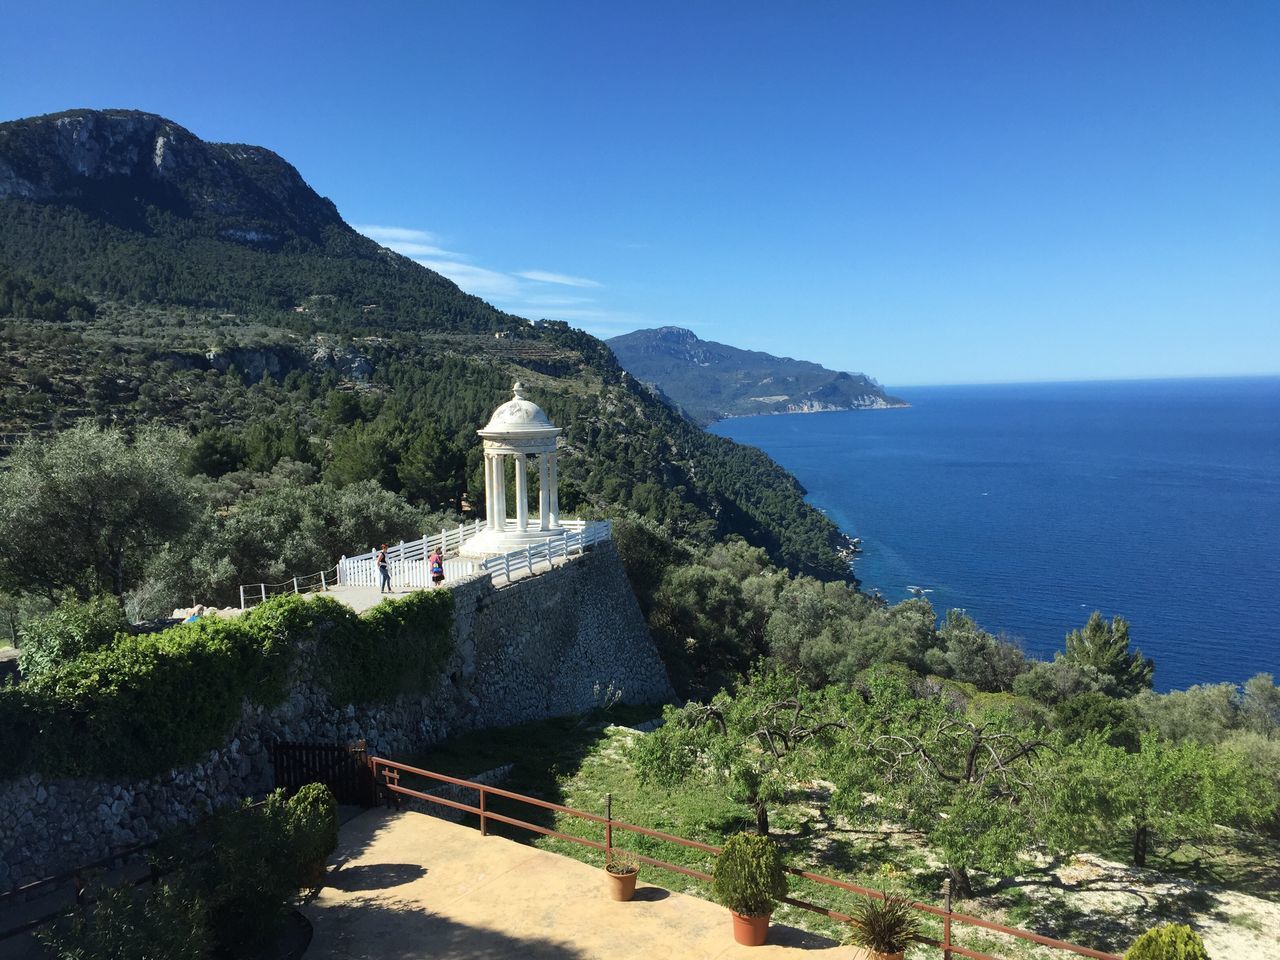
(540, 647)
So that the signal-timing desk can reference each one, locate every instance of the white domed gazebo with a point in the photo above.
(519, 429)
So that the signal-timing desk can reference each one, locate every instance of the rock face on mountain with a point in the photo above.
(710, 381)
(122, 161)
(127, 205)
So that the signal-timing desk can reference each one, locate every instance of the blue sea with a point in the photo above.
(1030, 506)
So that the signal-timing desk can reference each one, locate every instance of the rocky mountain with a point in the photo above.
(132, 206)
(148, 276)
(710, 381)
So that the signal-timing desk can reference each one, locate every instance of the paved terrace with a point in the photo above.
(408, 885)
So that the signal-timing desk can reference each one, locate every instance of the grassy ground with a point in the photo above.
(1230, 890)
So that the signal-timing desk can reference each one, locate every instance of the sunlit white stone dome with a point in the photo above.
(519, 417)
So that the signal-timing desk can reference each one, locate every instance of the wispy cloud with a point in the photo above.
(546, 276)
(490, 284)
(524, 293)
(411, 243)
(389, 235)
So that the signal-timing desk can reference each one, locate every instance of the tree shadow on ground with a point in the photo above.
(405, 931)
(377, 876)
(1115, 931)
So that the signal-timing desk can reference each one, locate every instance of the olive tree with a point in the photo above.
(80, 512)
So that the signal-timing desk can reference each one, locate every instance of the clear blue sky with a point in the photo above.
(927, 192)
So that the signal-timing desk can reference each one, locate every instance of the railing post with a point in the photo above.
(242, 596)
(946, 920)
(528, 557)
(484, 824)
(295, 584)
(323, 586)
(263, 587)
(608, 826)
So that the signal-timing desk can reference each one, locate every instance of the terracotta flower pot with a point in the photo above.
(877, 955)
(750, 931)
(622, 886)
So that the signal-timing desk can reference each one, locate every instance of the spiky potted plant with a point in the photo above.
(749, 879)
(622, 869)
(884, 927)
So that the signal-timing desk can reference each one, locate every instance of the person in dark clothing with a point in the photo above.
(384, 569)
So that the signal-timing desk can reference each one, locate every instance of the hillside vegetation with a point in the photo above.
(155, 278)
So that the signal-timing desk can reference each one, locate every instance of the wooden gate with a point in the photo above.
(343, 769)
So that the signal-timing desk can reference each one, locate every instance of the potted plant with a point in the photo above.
(622, 869)
(749, 879)
(884, 927)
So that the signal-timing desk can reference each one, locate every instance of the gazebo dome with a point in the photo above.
(519, 417)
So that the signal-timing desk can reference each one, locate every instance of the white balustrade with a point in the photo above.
(407, 562)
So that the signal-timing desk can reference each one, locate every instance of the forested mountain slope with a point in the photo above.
(150, 276)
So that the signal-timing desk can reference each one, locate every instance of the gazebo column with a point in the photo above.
(490, 495)
(544, 493)
(553, 487)
(522, 494)
(500, 491)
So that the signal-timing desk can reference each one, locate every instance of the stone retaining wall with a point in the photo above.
(540, 647)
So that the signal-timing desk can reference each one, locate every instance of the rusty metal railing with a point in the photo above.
(387, 774)
(79, 875)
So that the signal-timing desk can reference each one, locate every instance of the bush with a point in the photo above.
(1172, 941)
(75, 627)
(148, 703)
(311, 826)
(396, 648)
(749, 876)
(163, 924)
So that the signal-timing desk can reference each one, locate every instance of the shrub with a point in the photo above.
(1171, 941)
(886, 925)
(311, 828)
(73, 628)
(165, 924)
(396, 648)
(247, 877)
(749, 876)
(151, 702)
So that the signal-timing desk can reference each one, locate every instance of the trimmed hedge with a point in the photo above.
(155, 701)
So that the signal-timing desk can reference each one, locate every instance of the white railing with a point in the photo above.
(253, 593)
(579, 535)
(407, 561)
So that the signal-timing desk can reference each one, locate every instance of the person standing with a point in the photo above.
(435, 563)
(384, 569)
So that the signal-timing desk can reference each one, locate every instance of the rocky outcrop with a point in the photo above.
(121, 160)
(540, 647)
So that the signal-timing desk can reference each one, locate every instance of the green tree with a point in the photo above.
(755, 742)
(1105, 647)
(82, 511)
(1175, 792)
(977, 786)
(432, 468)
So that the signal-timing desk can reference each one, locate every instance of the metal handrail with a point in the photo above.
(76, 875)
(387, 773)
